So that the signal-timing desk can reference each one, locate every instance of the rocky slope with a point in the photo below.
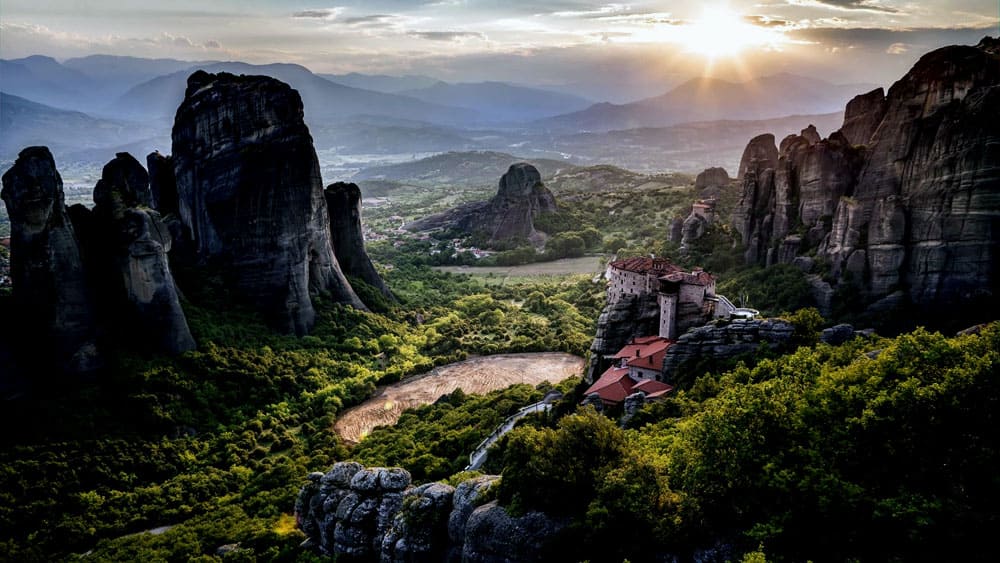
(250, 193)
(49, 279)
(344, 203)
(904, 201)
(520, 198)
(374, 514)
(630, 317)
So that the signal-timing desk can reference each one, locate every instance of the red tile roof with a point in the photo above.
(652, 388)
(646, 265)
(695, 277)
(613, 385)
(644, 351)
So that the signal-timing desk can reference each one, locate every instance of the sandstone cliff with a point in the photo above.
(128, 261)
(343, 201)
(630, 317)
(904, 201)
(374, 514)
(49, 279)
(251, 195)
(521, 197)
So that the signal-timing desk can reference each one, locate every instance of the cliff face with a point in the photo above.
(374, 514)
(250, 193)
(630, 317)
(47, 271)
(521, 197)
(129, 260)
(343, 201)
(914, 213)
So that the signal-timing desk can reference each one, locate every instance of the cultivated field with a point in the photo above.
(476, 375)
(565, 267)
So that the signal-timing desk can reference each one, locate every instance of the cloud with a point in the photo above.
(372, 20)
(447, 35)
(320, 14)
(897, 48)
(607, 36)
(848, 5)
(766, 21)
(211, 44)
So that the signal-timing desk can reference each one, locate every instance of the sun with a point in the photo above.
(721, 32)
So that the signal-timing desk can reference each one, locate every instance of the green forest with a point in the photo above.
(216, 443)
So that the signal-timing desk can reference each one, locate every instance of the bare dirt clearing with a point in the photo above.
(476, 375)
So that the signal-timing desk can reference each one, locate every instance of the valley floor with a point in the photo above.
(476, 375)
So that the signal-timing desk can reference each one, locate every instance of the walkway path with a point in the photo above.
(478, 456)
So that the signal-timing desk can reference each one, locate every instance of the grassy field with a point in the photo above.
(548, 271)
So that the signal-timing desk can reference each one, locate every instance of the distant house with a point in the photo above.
(636, 368)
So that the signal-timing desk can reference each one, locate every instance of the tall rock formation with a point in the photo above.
(914, 214)
(520, 198)
(863, 115)
(760, 153)
(132, 241)
(162, 183)
(509, 215)
(49, 279)
(343, 201)
(251, 194)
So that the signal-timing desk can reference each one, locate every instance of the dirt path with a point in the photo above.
(476, 375)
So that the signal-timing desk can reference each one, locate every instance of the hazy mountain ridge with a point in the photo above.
(468, 168)
(710, 99)
(25, 123)
(500, 101)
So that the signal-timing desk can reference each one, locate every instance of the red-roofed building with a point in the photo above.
(636, 368)
(616, 384)
(643, 356)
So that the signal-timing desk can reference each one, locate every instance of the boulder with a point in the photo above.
(250, 193)
(837, 335)
(50, 288)
(494, 536)
(465, 500)
(419, 532)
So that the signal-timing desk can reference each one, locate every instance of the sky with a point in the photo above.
(604, 49)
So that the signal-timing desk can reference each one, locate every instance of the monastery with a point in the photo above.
(685, 300)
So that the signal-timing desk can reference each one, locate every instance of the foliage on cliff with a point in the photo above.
(880, 450)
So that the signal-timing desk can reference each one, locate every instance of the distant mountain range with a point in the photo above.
(710, 99)
(382, 82)
(476, 168)
(93, 106)
(500, 102)
(25, 123)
